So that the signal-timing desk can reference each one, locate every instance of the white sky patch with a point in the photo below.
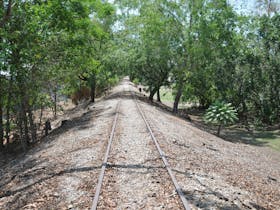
(250, 6)
(243, 6)
(4, 73)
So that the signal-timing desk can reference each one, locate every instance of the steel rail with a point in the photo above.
(167, 166)
(105, 160)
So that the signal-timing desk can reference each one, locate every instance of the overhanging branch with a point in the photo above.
(7, 15)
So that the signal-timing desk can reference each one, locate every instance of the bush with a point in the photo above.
(136, 81)
(221, 114)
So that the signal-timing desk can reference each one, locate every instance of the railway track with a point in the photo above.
(161, 153)
(105, 160)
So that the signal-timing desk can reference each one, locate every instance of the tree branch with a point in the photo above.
(81, 77)
(7, 15)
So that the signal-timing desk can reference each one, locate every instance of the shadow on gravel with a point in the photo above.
(233, 135)
(48, 176)
(81, 122)
(148, 164)
(24, 171)
(19, 172)
(236, 136)
(134, 166)
(200, 200)
(238, 133)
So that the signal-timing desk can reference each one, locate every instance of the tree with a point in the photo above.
(155, 40)
(221, 114)
(5, 12)
(45, 46)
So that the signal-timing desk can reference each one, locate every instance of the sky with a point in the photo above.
(249, 6)
(243, 6)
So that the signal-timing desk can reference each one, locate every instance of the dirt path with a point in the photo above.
(62, 172)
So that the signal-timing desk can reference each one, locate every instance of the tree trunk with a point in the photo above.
(7, 14)
(92, 92)
(22, 137)
(158, 95)
(152, 93)
(55, 103)
(245, 114)
(92, 88)
(204, 103)
(41, 116)
(1, 127)
(32, 125)
(24, 119)
(177, 98)
(8, 124)
(219, 130)
(1, 116)
(26, 130)
(268, 8)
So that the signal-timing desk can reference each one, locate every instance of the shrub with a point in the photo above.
(221, 114)
(136, 81)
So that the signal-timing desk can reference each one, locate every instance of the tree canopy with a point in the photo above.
(206, 51)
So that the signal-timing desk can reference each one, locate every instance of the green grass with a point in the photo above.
(166, 95)
(269, 138)
(257, 138)
(168, 99)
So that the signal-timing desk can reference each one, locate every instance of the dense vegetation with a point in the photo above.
(49, 48)
(220, 114)
(204, 50)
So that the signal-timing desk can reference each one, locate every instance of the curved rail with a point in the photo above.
(105, 160)
(167, 166)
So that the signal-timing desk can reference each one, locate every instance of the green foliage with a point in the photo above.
(221, 114)
(205, 51)
(149, 43)
(136, 81)
(46, 47)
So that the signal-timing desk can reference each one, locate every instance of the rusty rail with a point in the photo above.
(161, 153)
(167, 166)
(105, 160)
